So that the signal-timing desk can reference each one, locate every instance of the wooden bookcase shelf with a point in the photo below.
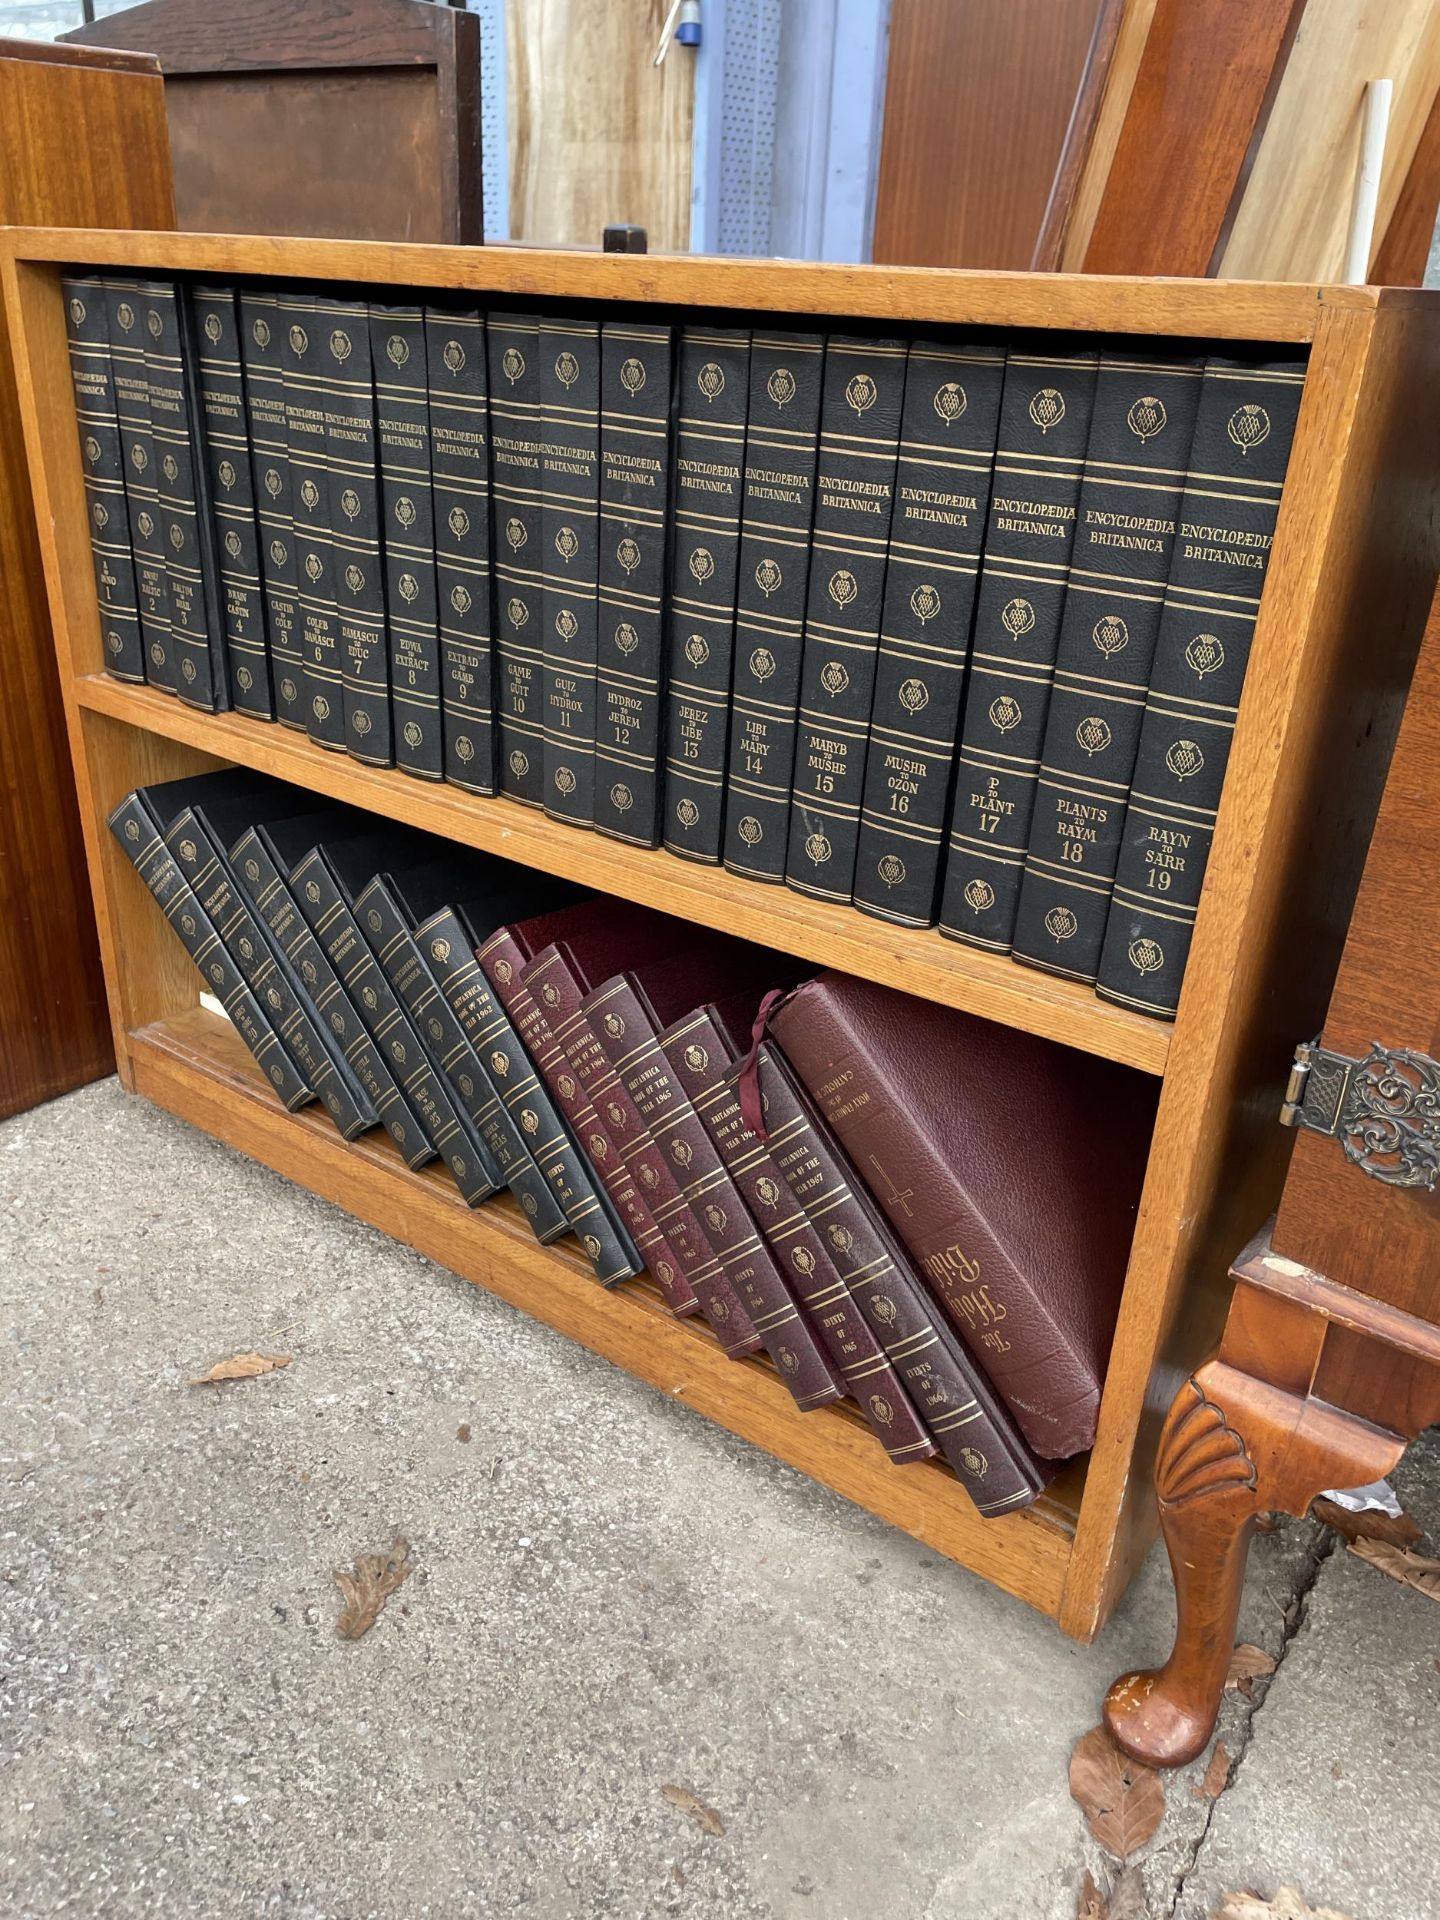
(1349, 582)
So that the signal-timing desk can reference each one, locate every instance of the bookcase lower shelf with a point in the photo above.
(196, 1066)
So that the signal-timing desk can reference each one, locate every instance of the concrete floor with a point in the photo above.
(609, 1597)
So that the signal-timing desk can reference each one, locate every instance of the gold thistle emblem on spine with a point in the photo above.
(818, 848)
(1005, 713)
(632, 375)
(412, 734)
(1184, 759)
(465, 747)
(409, 588)
(882, 1409)
(273, 482)
(1017, 617)
(212, 328)
(697, 650)
(1146, 955)
(1248, 426)
(914, 695)
(1047, 408)
(1092, 736)
(340, 345)
(979, 896)
(397, 350)
(460, 599)
(512, 364)
(1110, 634)
(768, 576)
(139, 459)
(227, 475)
(169, 468)
(950, 401)
(517, 611)
(565, 781)
(259, 333)
(77, 313)
(566, 625)
(350, 504)
(1061, 924)
(842, 588)
(156, 326)
(515, 535)
(453, 355)
(567, 543)
(354, 578)
(861, 393)
(762, 664)
(702, 563)
(803, 1261)
(781, 386)
(519, 764)
(405, 510)
(687, 813)
(125, 314)
(751, 832)
(711, 380)
(626, 638)
(232, 545)
(92, 448)
(833, 677)
(1204, 654)
(1147, 417)
(924, 603)
(299, 339)
(458, 522)
(621, 797)
(891, 870)
(697, 1059)
(309, 495)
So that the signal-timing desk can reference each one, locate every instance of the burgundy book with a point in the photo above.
(1011, 1169)
(559, 979)
(630, 1011)
(745, 1256)
(615, 938)
(702, 1053)
(964, 1413)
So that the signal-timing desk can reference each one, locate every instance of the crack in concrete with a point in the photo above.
(1296, 1616)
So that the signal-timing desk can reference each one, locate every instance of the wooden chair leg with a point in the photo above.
(1233, 1447)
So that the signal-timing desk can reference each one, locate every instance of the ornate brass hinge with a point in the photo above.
(1384, 1110)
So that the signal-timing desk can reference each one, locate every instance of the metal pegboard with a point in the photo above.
(494, 121)
(747, 129)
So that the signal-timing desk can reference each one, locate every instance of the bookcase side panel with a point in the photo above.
(1351, 576)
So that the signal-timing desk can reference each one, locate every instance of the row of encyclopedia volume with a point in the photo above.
(585, 1056)
(953, 628)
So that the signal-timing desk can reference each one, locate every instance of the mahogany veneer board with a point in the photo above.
(1196, 112)
(82, 140)
(978, 97)
(1293, 216)
(358, 118)
(1351, 574)
(1103, 137)
(599, 135)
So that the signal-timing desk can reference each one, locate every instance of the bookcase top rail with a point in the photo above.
(1232, 310)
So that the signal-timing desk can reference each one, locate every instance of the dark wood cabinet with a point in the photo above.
(347, 119)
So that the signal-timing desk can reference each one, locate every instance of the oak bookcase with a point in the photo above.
(1350, 578)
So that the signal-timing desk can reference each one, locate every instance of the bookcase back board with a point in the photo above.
(1350, 578)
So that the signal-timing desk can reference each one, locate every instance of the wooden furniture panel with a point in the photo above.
(82, 140)
(978, 97)
(1330, 1360)
(1404, 253)
(1102, 137)
(599, 135)
(1343, 610)
(1293, 218)
(356, 118)
(1205, 84)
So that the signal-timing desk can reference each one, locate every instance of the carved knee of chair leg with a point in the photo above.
(1208, 1489)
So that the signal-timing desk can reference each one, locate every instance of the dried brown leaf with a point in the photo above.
(1247, 1665)
(705, 1817)
(1287, 1905)
(1127, 1897)
(1412, 1568)
(366, 1590)
(242, 1366)
(1396, 1530)
(1092, 1904)
(1216, 1775)
(1122, 1801)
